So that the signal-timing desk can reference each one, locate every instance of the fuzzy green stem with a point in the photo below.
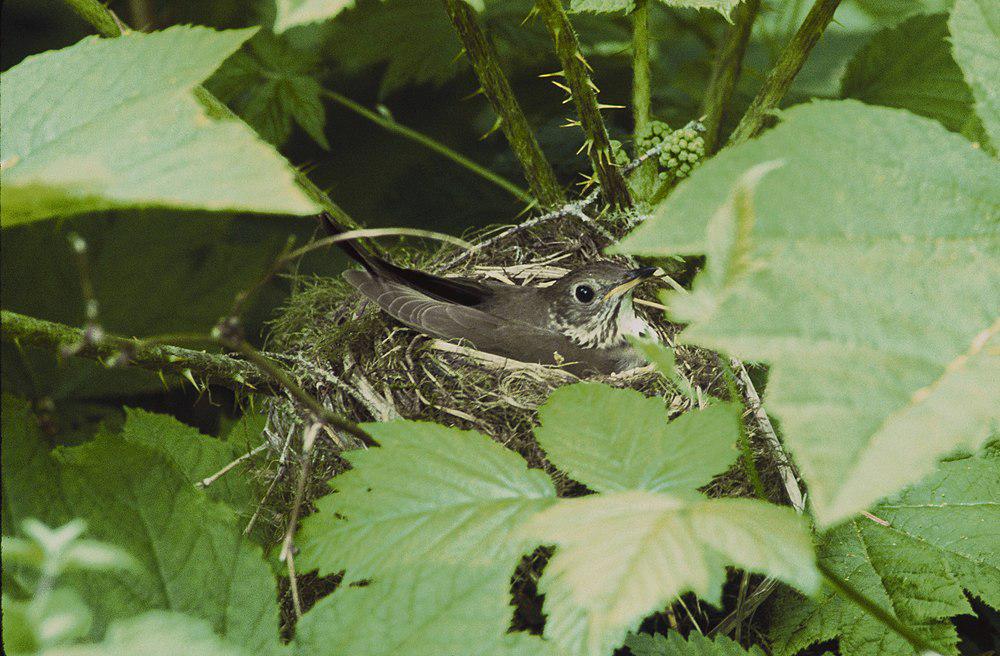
(577, 74)
(726, 71)
(889, 620)
(429, 142)
(640, 67)
(102, 19)
(483, 57)
(215, 368)
(789, 63)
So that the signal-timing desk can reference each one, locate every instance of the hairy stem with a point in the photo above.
(215, 368)
(108, 25)
(780, 78)
(889, 620)
(640, 67)
(726, 71)
(482, 55)
(433, 144)
(577, 73)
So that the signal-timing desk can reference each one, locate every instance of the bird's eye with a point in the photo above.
(584, 293)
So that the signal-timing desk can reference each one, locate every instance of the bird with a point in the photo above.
(582, 322)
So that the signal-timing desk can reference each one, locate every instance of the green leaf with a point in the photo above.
(613, 439)
(155, 633)
(871, 292)
(270, 84)
(623, 555)
(939, 539)
(422, 610)
(724, 7)
(429, 494)
(910, 66)
(291, 13)
(673, 644)
(114, 123)
(975, 38)
(193, 550)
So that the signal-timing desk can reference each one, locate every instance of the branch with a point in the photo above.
(726, 71)
(481, 53)
(108, 25)
(787, 67)
(577, 74)
(640, 67)
(433, 144)
(216, 368)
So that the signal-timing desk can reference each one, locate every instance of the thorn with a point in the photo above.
(590, 83)
(571, 123)
(603, 106)
(559, 73)
(163, 379)
(475, 93)
(562, 86)
(531, 14)
(496, 126)
(190, 378)
(579, 55)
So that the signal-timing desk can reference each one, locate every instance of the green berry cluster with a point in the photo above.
(680, 150)
(619, 154)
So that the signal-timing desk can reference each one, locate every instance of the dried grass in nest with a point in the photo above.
(363, 365)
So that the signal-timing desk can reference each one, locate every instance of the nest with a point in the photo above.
(363, 365)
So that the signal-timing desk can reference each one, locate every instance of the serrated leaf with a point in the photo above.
(196, 559)
(910, 66)
(423, 610)
(939, 539)
(696, 644)
(612, 440)
(114, 123)
(155, 633)
(429, 494)
(724, 7)
(623, 555)
(975, 38)
(871, 293)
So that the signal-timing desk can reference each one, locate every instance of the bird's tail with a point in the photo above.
(351, 247)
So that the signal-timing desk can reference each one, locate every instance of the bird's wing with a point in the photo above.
(487, 332)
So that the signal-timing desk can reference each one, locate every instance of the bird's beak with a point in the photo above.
(632, 278)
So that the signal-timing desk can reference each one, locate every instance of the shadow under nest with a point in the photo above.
(364, 366)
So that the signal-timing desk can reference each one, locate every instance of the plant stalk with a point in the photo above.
(108, 25)
(640, 67)
(482, 55)
(889, 620)
(779, 79)
(216, 368)
(726, 69)
(433, 144)
(577, 74)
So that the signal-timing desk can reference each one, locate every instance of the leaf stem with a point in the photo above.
(726, 69)
(102, 19)
(780, 78)
(431, 143)
(577, 74)
(889, 620)
(482, 55)
(640, 67)
(217, 368)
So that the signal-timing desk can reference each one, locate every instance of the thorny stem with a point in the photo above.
(890, 621)
(431, 143)
(577, 75)
(56, 337)
(780, 78)
(640, 67)
(482, 55)
(103, 20)
(726, 71)
(744, 440)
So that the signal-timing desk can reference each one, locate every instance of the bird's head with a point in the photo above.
(592, 305)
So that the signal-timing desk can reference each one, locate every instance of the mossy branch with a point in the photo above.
(108, 25)
(482, 55)
(428, 142)
(577, 75)
(726, 69)
(761, 110)
(215, 368)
